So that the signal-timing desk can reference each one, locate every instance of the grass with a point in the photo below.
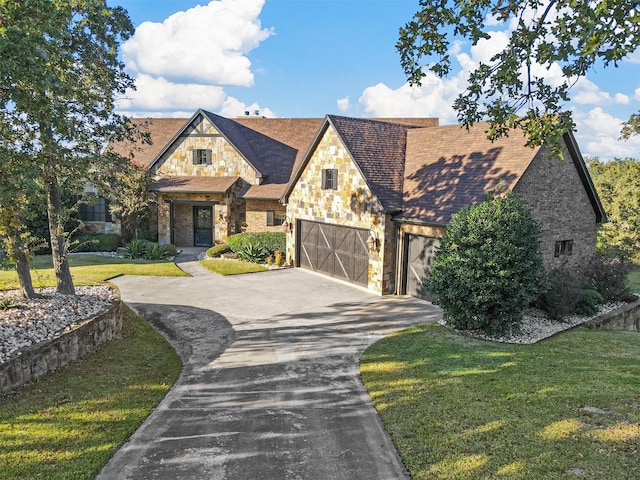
(90, 269)
(461, 408)
(69, 423)
(232, 267)
(634, 281)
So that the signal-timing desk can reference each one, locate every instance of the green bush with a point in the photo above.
(252, 252)
(270, 241)
(488, 268)
(136, 249)
(155, 251)
(217, 250)
(149, 250)
(588, 301)
(560, 295)
(608, 276)
(96, 242)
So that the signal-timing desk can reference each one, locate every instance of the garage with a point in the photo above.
(334, 250)
(417, 258)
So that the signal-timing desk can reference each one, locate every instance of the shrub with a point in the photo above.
(488, 268)
(279, 258)
(270, 241)
(218, 250)
(588, 301)
(155, 251)
(149, 250)
(136, 249)
(608, 276)
(96, 242)
(252, 252)
(560, 295)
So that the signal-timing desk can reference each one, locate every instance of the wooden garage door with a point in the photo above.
(337, 251)
(418, 256)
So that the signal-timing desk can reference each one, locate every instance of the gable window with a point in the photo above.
(95, 212)
(329, 179)
(275, 218)
(202, 156)
(563, 247)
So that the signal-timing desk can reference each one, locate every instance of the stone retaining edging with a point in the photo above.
(86, 337)
(626, 317)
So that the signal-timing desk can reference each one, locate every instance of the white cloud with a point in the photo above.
(636, 94)
(598, 132)
(433, 99)
(205, 44)
(344, 104)
(621, 99)
(183, 63)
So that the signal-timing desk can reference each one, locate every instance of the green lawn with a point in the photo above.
(461, 408)
(66, 425)
(634, 281)
(232, 267)
(88, 269)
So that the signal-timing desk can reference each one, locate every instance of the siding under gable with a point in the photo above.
(554, 192)
(225, 159)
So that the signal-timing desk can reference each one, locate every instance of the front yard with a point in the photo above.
(461, 408)
(69, 423)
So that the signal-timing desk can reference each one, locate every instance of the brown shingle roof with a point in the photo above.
(160, 130)
(193, 184)
(449, 167)
(378, 148)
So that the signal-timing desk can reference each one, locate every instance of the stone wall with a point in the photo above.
(256, 215)
(225, 160)
(626, 317)
(85, 338)
(351, 205)
(554, 192)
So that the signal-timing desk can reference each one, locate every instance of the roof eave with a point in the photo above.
(583, 173)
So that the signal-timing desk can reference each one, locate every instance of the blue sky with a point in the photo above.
(308, 58)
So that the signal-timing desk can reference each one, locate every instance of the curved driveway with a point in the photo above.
(270, 387)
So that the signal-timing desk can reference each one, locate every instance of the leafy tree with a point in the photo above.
(488, 268)
(618, 185)
(574, 35)
(59, 80)
(130, 200)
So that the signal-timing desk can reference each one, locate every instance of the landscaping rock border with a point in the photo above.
(49, 355)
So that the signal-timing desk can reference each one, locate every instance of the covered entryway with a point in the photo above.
(202, 226)
(338, 251)
(418, 252)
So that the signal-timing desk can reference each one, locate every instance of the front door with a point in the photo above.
(202, 226)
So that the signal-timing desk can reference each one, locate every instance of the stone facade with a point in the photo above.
(256, 215)
(85, 338)
(183, 231)
(351, 205)
(554, 192)
(177, 161)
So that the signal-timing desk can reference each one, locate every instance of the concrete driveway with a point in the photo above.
(270, 387)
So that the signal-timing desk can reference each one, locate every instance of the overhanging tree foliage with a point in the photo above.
(618, 185)
(488, 268)
(59, 80)
(575, 35)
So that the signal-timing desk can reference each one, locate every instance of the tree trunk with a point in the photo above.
(18, 252)
(64, 282)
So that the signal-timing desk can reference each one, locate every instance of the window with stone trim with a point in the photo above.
(275, 218)
(95, 210)
(202, 156)
(563, 247)
(329, 179)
